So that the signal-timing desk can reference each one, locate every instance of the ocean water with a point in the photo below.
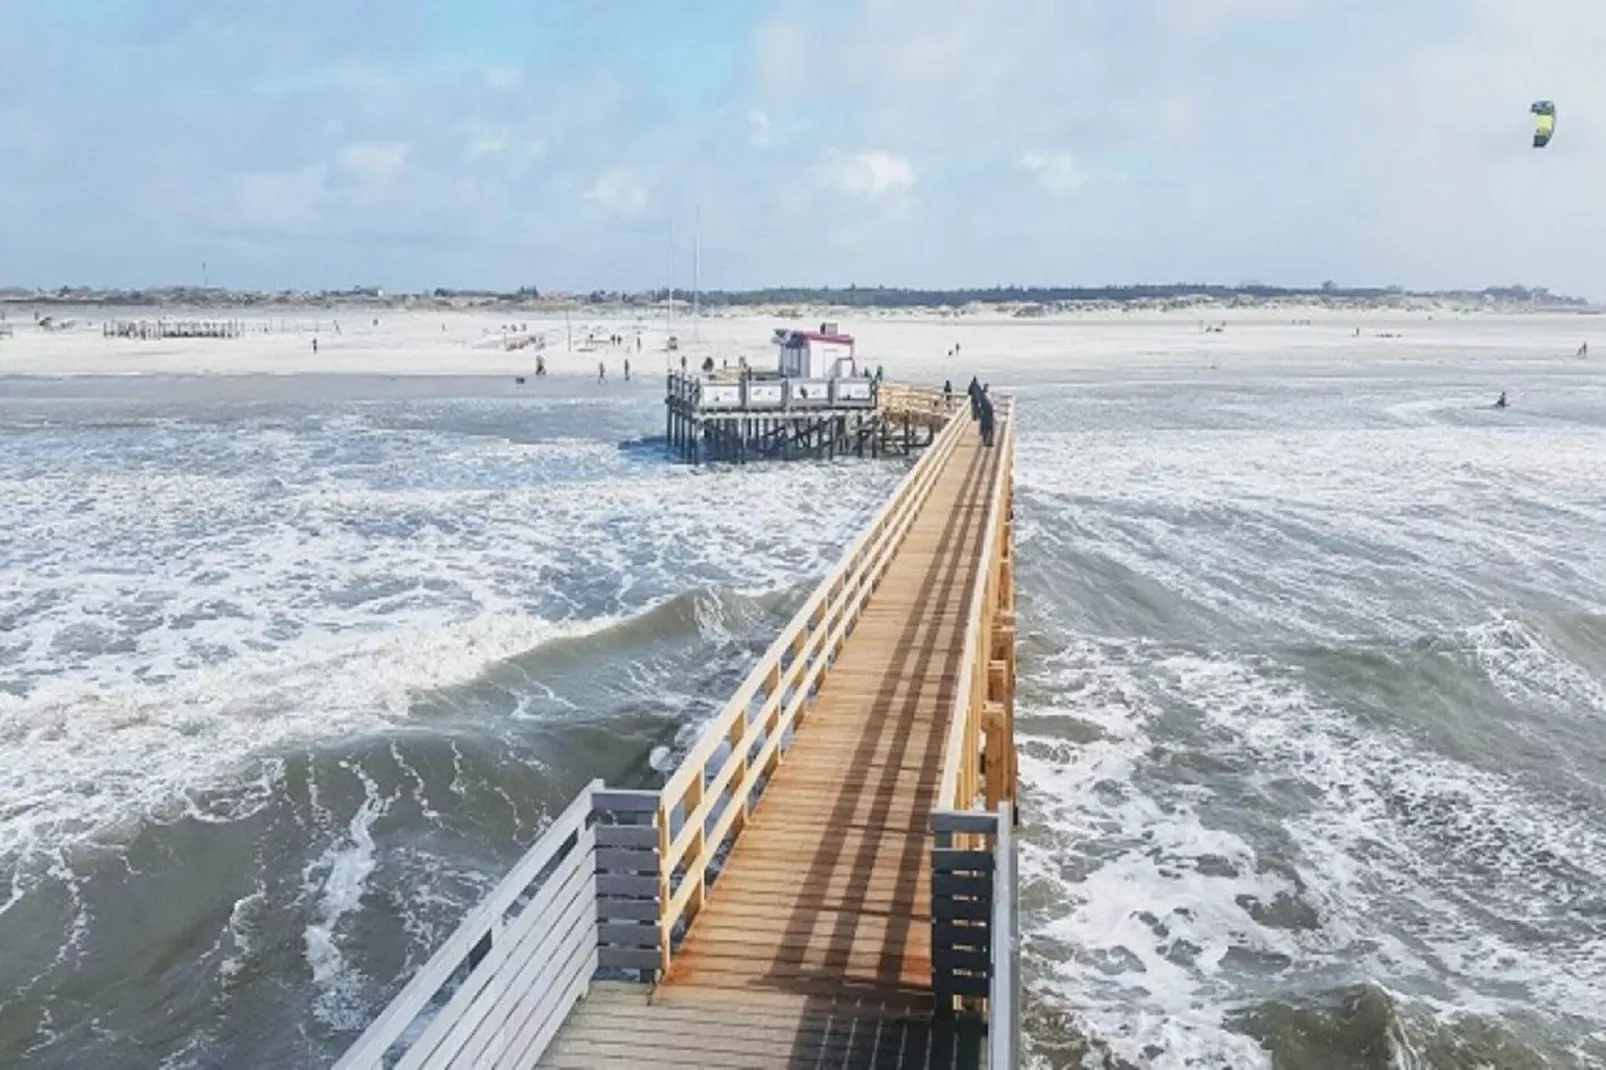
(1312, 699)
(1313, 706)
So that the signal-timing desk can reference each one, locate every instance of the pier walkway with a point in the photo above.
(828, 878)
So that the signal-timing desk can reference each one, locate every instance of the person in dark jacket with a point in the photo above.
(985, 405)
(974, 390)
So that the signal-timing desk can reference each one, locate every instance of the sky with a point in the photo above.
(581, 144)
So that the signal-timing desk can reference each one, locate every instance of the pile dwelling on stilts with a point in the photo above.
(816, 404)
(148, 330)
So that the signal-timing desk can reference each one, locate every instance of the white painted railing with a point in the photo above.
(496, 992)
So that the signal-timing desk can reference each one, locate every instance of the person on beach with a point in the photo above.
(627, 369)
(602, 372)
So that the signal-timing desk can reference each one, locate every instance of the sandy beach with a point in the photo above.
(909, 346)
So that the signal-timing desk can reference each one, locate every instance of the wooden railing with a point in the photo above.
(716, 392)
(498, 989)
(984, 700)
(903, 399)
(707, 800)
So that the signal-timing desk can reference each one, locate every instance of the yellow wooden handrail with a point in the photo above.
(961, 750)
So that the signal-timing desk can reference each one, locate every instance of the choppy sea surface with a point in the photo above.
(1313, 696)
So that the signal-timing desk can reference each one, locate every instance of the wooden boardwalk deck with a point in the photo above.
(814, 946)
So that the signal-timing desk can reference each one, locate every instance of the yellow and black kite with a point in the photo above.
(1544, 122)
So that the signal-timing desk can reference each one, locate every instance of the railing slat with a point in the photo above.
(615, 801)
(627, 836)
(625, 958)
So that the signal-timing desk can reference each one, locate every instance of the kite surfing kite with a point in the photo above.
(1544, 122)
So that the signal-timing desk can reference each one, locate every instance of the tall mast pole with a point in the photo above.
(697, 276)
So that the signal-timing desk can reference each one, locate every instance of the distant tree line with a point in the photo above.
(848, 296)
(898, 297)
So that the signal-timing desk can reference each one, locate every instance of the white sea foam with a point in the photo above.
(336, 881)
(1209, 829)
(182, 601)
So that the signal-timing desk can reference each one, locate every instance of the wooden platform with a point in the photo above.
(814, 947)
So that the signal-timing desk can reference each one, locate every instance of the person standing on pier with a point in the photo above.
(985, 406)
(947, 394)
(974, 390)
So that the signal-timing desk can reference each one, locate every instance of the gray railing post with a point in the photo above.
(1003, 1002)
(628, 909)
(962, 890)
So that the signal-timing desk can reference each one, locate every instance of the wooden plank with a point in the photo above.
(911, 934)
(626, 835)
(964, 821)
(958, 935)
(947, 885)
(611, 800)
(624, 934)
(612, 909)
(627, 860)
(960, 985)
(978, 962)
(626, 958)
(962, 861)
(961, 909)
(627, 887)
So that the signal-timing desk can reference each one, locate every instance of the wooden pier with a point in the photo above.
(749, 418)
(828, 878)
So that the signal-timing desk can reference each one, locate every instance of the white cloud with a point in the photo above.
(760, 131)
(1199, 15)
(282, 200)
(488, 143)
(503, 78)
(1055, 171)
(373, 162)
(866, 174)
(619, 192)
